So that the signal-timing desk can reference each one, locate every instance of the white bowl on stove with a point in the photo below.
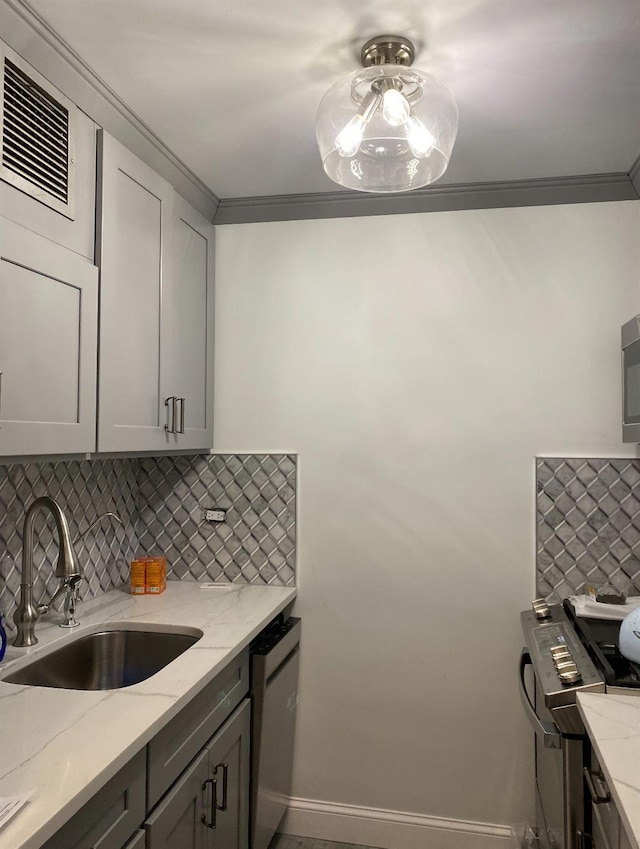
(629, 639)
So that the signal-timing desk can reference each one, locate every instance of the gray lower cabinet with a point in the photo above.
(208, 807)
(229, 775)
(187, 789)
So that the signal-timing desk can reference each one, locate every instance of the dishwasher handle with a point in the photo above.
(270, 650)
(548, 731)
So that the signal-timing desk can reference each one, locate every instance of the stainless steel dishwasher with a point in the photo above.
(274, 693)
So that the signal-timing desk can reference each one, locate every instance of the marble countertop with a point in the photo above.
(64, 745)
(613, 724)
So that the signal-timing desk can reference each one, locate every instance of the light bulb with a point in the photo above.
(395, 108)
(420, 139)
(348, 140)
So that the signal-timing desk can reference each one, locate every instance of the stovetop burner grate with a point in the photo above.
(600, 638)
(624, 673)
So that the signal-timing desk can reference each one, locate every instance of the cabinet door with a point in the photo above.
(177, 821)
(229, 766)
(190, 315)
(48, 327)
(134, 214)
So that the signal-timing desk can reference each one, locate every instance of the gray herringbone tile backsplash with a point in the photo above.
(256, 543)
(160, 501)
(588, 525)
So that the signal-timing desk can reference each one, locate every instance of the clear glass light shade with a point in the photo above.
(388, 128)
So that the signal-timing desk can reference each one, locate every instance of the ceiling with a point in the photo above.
(544, 89)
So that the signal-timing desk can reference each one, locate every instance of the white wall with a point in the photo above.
(418, 364)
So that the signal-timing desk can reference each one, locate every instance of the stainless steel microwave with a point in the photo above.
(631, 380)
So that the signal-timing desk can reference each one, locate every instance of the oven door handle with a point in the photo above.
(548, 731)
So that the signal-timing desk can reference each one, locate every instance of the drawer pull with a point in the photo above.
(170, 404)
(598, 797)
(180, 427)
(212, 806)
(225, 773)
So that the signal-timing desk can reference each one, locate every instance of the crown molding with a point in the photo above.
(18, 22)
(68, 71)
(558, 190)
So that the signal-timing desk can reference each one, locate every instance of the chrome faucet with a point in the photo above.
(67, 569)
(70, 584)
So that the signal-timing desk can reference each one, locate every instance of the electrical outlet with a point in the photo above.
(214, 514)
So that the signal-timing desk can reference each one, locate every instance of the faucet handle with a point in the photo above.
(71, 591)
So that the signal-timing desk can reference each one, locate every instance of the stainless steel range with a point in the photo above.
(565, 655)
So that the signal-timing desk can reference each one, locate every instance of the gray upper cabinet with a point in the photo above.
(156, 311)
(190, 316)
(134, 222)
(48, 339)
(40, 167)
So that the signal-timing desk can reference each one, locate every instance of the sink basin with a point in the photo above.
(106, 660)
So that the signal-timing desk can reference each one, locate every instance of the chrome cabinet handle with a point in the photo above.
(584, 840)
(225, 773)
(547, 730)
(598, 799)
(212, 806)
(170, 404)
(180, 428)
(591, 776)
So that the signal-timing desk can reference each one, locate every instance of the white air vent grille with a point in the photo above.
(37, 137)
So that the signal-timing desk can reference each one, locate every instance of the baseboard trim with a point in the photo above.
(389, 829)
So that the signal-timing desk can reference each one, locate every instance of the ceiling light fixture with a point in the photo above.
(389, 127)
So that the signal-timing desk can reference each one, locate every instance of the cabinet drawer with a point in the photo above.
(173, 748)
(109, 819)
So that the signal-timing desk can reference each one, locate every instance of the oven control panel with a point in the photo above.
(554, 646)
(559, 658)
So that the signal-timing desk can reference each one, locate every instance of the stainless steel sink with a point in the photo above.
(106, 660)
